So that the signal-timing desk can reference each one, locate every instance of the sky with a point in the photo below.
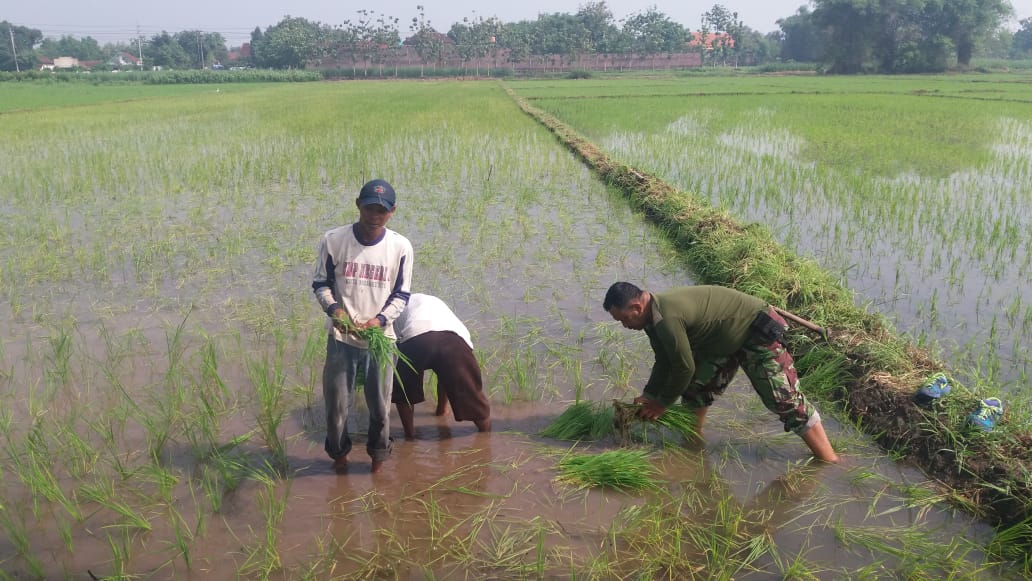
(109, 21)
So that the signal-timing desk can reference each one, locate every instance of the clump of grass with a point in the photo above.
(1012, 543)
(582, 421)
(620, 469)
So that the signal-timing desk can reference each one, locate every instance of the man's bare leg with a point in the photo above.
(818, 442)
(340, 463)
(406, 413)
(483, 425)
(700, 418)
(442, 403)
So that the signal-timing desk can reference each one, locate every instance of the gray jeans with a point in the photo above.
(340, 373)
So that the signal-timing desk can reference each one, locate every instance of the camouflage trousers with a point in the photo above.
(772, 373)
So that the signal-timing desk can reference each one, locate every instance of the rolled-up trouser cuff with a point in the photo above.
(815, 418)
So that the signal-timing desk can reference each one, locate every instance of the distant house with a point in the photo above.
(61, 62)
(711, 39)
(239, 54)
(125, 59)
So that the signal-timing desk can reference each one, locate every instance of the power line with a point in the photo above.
(108, 32)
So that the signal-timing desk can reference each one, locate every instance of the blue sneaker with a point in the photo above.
(989, 411)
(933, 390)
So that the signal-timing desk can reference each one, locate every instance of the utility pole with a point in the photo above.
(139, 46)
(14, 51)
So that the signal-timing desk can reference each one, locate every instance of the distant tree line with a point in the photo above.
(843, 36)
(901, 36)
(377, 38)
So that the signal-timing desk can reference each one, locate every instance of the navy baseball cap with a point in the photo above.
(377, 192)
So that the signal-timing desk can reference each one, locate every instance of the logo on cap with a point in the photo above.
(378, 189)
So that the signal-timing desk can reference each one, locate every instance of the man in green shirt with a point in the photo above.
(701, 335)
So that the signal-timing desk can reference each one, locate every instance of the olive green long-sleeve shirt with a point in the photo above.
(695, 321)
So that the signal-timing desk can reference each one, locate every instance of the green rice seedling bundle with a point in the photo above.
(620, 469)
(382, 348)
(582, 421)
(678, 418)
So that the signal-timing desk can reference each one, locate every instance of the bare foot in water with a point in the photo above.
(340, 463)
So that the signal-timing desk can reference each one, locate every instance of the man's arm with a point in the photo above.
(675, 364)
(323, 280)
(323, 283)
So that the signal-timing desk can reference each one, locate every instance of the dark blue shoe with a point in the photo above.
(933, 390)
(989, 411)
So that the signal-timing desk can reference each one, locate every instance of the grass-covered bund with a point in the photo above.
(868, 368)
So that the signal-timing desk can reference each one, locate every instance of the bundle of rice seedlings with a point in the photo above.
(382, 349)
(680, 419)
(582, 421)
(619, 469)
(677, 418)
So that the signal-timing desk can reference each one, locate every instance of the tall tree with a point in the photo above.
(289, 44)
(729, 31)
(427, 42)
(904, 43)
(560, 34)
(474, 37)
(164, 51)
(653, 32)
(377, 36)
(204, 48)
(517, 38)
(1021, 43)
(84, 49)
(597, 23)
(967, 22)
(850, 29)
(17, 47)
(801, 40)
(257, 38)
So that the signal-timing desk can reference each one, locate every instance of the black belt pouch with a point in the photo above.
(765, 329)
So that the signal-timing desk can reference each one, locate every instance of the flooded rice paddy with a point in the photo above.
(161, 357)
(941, 246)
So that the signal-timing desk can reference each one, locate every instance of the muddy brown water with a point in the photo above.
(456, 503)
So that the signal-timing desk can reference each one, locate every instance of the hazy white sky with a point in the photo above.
(109, 21)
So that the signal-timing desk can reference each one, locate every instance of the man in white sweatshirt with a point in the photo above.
(362, 279)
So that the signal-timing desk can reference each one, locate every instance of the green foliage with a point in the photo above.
(1012, 543)
(619, 469)
(17, 50)
(475, 37)
(429, 43)
(289, 44)
(902, 37)
(1021, 43)
(584, 420)
(652, 32)
(85, 49)
(189, 49)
